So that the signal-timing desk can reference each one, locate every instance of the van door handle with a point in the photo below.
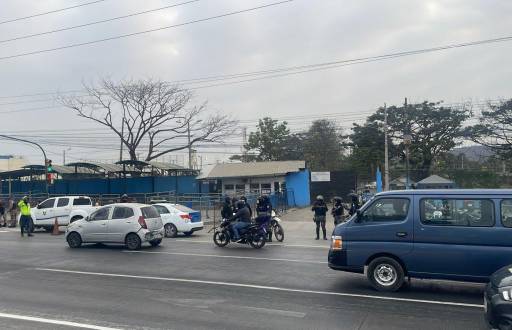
(401, 234)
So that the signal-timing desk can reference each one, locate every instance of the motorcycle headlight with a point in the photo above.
(506, 294)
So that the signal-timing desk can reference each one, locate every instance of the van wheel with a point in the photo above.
(385, 274)
(133, 242)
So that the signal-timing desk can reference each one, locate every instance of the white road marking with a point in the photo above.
(268, 244)
(232, 257)
(274, 311)
(57, 322)
(273, 288)
(5, 231)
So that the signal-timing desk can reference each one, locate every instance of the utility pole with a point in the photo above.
(122, 136)
(244, 142)
(386, 156)
(189, 146)
(407, 138)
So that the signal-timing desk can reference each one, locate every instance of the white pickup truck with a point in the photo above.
(65, 209)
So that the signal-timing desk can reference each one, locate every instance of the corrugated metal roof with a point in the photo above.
(166, 166)
(435, 179)
(235, 170)
(105, 167)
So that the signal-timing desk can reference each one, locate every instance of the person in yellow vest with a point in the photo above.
(26, 217)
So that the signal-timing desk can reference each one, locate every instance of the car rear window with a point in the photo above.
(183, 208)
(82, 201)
(121, 212)
(149, 212)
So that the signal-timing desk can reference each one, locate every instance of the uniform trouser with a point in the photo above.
(338, 219)
(320, 221)
(25, 221)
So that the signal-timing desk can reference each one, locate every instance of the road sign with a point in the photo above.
(320, 176)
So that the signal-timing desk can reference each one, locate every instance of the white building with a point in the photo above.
(9, 162)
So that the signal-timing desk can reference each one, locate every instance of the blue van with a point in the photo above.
(452, 234)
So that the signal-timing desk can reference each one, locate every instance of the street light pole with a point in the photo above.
(44, 154)
(386, 157)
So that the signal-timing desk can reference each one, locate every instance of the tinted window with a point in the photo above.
(149, 212)
(161, 209)
(47, 204)
(101, 214)
(82, 201)
(387, 209)
(121, 212)
(62, 202)
(506, 213)
(457, 212)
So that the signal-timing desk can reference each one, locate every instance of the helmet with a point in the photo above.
(227, 199)
(240, 204)
(124, 196)
(337, 199)
(243, 198)
(320, 197)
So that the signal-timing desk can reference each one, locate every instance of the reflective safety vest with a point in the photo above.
(24, 208)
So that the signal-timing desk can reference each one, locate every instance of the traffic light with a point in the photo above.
(49, 166)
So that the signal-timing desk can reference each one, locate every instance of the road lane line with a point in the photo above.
(57, 322)
(268, 244)
(279, 312)
(254, 286)
(232, 257)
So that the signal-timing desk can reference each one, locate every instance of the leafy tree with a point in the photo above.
(323, 146)
(494, 129)
(434, 130)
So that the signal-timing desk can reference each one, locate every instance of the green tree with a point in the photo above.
(323, 146)
(434, 129)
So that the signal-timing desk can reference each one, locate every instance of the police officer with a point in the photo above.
(320, 209)
(227, 208)
(337, 210)
(264, 213)
(26, 218)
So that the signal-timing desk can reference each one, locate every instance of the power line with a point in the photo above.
(146, 31)
(50, 12)
(96, 22)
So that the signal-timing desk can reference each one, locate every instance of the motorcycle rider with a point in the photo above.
(320, 209)
(227, 208)
(264, 213)
(338, 210)
(243, 198)
(244, 220)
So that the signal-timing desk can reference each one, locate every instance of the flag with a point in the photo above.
(378, 180)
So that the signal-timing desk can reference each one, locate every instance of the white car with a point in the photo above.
(65, 209)
(123, 223)
(179, 219)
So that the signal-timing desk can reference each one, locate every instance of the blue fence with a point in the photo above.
(180, 184)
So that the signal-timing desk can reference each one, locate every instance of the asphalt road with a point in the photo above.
(188, 283)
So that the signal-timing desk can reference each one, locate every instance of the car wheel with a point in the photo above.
(385, 274)
(220, 238)
(74, 240)
(188, 233)
(155, 242)
(133, 241)
(170, 230)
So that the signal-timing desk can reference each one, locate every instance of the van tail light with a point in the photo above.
(186, 217)
(142, 222)
(337, 243)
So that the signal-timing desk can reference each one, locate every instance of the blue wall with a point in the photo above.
(186, 184)
(297, 185)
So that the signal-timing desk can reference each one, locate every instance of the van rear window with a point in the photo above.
(457, 212)
(506, 213)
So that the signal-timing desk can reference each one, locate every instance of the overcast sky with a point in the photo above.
(297, 33)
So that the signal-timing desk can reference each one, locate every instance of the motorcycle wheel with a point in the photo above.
(257, 241)
(278, 232)
(220, 238)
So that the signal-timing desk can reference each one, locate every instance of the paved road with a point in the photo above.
(187, 283)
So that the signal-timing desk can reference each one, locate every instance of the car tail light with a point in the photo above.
(186, 217)
(142, 222)
(337, 243)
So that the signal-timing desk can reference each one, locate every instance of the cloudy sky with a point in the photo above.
(300, 32)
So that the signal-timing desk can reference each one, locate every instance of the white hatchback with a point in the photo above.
(179, 219)
(123, 223)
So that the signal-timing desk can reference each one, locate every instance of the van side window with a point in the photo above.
(506, 213)
(386, 209)
(457, 212)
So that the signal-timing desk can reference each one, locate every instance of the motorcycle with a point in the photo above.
(276, 228)
(254, 235)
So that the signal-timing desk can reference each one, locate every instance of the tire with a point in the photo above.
(385, 274)
(170, 230)
(220, 238)
(133, 242)
(156, 242)
(188, 233)
(74, 240)
(257, 241)
(278, 232)
(75, 218)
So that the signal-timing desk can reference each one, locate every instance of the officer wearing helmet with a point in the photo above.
(227, 208)
(337, 210)
(320, 209)
(243, 217)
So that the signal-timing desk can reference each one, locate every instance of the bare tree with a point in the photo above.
(149, 115)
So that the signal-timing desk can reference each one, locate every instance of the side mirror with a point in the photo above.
(87, 218)
(38, 206)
